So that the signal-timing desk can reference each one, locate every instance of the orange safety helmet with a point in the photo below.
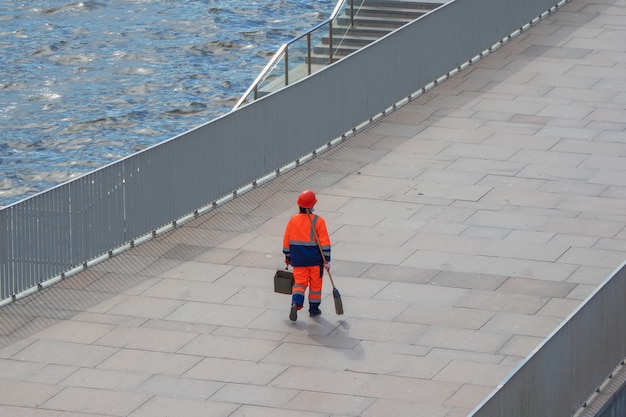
(307, 199)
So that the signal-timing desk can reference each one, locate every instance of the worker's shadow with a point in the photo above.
(336, 336)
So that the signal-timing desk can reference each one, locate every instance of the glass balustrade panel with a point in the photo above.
(275, 78)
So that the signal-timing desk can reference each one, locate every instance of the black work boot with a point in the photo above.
(293, 313)
(314, 309)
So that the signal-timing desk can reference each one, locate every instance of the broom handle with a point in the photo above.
(319, 245)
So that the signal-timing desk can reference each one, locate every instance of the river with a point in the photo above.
(83, 84)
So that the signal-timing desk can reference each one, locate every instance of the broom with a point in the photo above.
(336, 295)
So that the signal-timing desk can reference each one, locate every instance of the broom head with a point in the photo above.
(338, 303)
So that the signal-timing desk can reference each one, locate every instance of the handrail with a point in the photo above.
(270, 65)
(283, 51)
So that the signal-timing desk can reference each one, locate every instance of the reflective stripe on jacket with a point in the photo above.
(299, 241)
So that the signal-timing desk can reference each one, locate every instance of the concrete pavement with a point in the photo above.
(466, 226)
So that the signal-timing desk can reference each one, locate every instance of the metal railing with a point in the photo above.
(294, 60)
(67, 228)
(571, 363)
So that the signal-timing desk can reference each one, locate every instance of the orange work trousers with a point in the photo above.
(307, 276)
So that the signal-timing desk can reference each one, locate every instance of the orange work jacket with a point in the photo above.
(299, 244)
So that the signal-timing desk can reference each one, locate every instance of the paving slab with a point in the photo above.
(466, 226)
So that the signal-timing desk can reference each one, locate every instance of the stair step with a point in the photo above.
(319, 60)
(365, 31)
(411, 4)
(359, 41)
(391, 12)
(323, 59)
(373, 21)
(340, 51)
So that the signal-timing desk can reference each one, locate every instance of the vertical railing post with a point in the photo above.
(351, 12)
(308, 49)
(330, 41)
(287, 65)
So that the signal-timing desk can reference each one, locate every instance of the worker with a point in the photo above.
(306, 246)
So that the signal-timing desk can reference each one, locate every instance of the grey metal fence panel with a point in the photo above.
(81, 194)
(52, 232)
(150, 194)
(4, 256)
(50, 219)
(97, 213)
(568, 367)
(36, 243)
(191, 171)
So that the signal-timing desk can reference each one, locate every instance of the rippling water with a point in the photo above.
(83, 84)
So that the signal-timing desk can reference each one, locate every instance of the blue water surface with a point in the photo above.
(83, 84)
